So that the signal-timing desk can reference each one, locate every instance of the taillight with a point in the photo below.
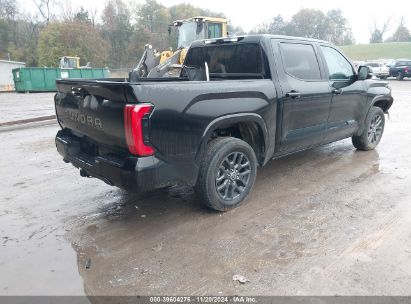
(135, 122)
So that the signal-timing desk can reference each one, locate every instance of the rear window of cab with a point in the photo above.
(225, 59)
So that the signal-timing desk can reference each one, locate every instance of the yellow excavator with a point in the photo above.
(69, 62)
(154, 64)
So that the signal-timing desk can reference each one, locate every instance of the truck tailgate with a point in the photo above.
(94, 109)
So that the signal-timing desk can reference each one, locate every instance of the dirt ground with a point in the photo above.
(19, 106)
(327, 221)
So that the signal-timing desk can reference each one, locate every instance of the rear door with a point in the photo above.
(306, 97)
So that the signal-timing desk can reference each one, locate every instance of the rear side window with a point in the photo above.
(227, 58)
(214, 30)
(300, 61)
(403, 63)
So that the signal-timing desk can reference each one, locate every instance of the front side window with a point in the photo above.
(338, 67)
(300, 61)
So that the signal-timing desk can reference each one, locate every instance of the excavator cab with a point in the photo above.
(198, 28)
(67, 62)
(155, 64)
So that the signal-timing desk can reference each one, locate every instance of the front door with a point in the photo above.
(348, 99)
(306, 97)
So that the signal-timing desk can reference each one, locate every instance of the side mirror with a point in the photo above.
(364, 73)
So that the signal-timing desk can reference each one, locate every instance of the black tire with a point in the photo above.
(225, 165)
(400, 76)
(373, 130)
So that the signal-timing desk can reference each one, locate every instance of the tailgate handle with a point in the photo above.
(76, 91)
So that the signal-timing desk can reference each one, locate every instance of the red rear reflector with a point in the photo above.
(133, 126)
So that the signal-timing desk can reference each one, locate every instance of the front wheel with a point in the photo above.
(400, 76)
(373, 130)
(227, 173)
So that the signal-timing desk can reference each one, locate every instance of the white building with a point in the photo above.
(6, 75)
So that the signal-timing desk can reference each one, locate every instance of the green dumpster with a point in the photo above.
(44, 79)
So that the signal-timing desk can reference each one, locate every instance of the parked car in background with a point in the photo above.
(378, 69)
(400, 69)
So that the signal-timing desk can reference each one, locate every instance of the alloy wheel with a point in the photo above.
(233, 176)
(375, 129)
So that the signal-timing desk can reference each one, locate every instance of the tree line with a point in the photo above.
(332, 26)
(116, 37)
(400, 34)
(312, 23)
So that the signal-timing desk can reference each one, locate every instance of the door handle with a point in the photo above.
(293, 94)
(337, 91)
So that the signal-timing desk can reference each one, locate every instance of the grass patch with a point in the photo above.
(391, 50)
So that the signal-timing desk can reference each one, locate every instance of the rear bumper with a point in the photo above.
(404, 74)
(381, 74)
(130, 173)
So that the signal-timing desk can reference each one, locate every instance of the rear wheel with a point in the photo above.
(227, 173)
(373, 130)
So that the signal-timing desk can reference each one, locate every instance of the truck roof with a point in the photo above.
(255, 39)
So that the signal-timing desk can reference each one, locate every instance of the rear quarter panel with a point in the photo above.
(184, 110)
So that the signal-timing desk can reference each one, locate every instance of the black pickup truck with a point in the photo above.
(400, 69)
(238, 103)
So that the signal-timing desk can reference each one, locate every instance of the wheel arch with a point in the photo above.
(249, 127)
(383, 102)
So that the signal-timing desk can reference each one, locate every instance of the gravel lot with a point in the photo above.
(327, 221)
(19, 106)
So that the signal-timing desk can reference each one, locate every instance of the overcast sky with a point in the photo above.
(247, 14)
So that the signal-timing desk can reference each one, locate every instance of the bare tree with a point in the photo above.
(377, 33)
(44, 8)
(66, 10)
(93, 15)
(8, 9)
(401, 33)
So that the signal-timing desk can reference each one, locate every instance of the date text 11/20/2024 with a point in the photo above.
(203, 299)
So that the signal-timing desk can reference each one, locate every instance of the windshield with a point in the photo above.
(188, 33)
(68, 63)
